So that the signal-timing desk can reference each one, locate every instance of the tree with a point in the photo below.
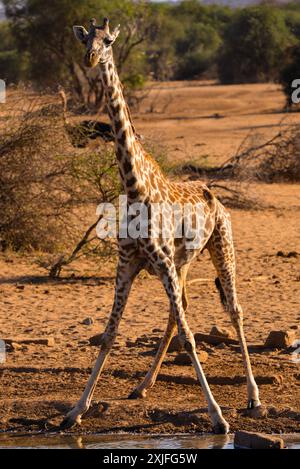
(161, 44)
(253, 46)
(44, 31)
(12, 64)
(196, 48)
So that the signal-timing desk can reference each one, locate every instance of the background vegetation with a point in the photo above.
(160, 41)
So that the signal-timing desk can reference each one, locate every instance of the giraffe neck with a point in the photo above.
(129, 151)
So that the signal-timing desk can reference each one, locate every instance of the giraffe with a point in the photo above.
(167, 257)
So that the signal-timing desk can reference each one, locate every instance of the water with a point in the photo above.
(128, 441)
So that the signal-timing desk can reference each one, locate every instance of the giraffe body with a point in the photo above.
(168, 257)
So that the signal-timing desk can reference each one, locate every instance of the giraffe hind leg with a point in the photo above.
(221, 251)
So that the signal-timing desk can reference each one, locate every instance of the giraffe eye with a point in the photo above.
(107, 41)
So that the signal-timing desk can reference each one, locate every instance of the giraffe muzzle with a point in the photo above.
(91, 59)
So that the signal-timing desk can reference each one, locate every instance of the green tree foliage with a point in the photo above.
(196, 50)
(158, 40)
(160, 52)
(44, 31)
(292, 18)
(253, 46)
(12, 64)
(200, 38)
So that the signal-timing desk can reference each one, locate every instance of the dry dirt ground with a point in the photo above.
(39, 383)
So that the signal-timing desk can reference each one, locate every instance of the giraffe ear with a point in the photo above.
(115, 33)
(80, 33)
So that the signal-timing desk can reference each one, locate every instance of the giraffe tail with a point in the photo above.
(221, 291)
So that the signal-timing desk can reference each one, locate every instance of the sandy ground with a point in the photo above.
(39, 383)
(206, 122)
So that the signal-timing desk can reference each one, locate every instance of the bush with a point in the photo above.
(49, 190)
(274, 160)
(43, 31)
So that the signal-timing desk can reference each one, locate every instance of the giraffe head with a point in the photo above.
(98, 41)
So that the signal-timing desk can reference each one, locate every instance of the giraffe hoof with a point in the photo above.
(138, 394)
(256, 411)
(69, 422)
(221, 428)
(253, 403)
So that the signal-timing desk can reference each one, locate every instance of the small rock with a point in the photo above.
(20, 287)
(14, 346)
(295, 327)
(222, 332)
(183, 359)
(88, 321)
(96, 339)
(203, 356)
(213, 339)
(280, 339)
(253, 440)
(175, 345)
(48, 341)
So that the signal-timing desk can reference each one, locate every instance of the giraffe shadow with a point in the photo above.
(46, 280)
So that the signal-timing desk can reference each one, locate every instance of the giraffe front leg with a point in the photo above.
(126, 273)
(187, 339)
(171, 283)
(74, 416)
(148, 382)
(220, 425)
